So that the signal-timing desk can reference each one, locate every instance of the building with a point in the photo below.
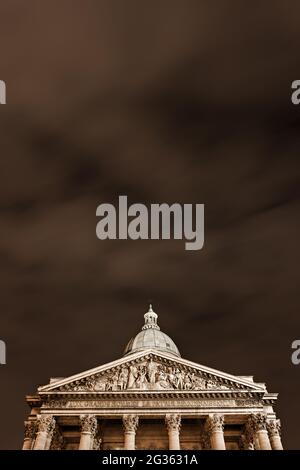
(151, 398)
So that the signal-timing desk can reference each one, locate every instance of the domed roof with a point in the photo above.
(151, 337)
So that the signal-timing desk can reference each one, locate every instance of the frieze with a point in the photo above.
(248, 402)
(55, 404)
(119, 404)
(138, 403)
(149, 374)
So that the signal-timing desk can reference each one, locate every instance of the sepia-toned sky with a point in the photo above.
(167, 101)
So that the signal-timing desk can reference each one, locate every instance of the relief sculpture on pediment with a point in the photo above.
(148, 374)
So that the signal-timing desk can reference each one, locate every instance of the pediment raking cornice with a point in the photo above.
(150, 371)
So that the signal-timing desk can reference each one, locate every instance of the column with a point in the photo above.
(258, 422)
(97, 443)
(273, 427)
(57, 442)
(30, 429)
(214, 426)
(46, 424)
(173, 423)
(250, 441)
(204, 438)
(88, 431)
(49, 438)
(246, 442)
(130, 423)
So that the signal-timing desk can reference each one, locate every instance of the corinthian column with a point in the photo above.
(258, 422)
(246, 442)
(30, 428)
(88, 431)
(173, 422)
(57, 442)
(214, 427)
(46, 424)
(273, 427)
(130, 423)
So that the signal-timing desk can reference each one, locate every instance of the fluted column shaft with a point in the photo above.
(173, 423)
(130, 424)
(88, 431)
(214, 426)
(263, 439)
(276, 443)
(46, 424)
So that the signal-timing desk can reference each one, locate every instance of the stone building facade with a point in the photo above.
(152, 399)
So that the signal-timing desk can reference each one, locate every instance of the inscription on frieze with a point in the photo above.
(117, 404)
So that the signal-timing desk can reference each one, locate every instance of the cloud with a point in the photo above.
(163, 104)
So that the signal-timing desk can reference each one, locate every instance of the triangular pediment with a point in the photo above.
(150, 370)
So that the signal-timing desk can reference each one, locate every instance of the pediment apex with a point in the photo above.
(205, 377)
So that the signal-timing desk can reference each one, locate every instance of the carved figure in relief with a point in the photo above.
(141, 379)
(133, 374)
(210, 384)
(187, 382)
(115, 379)
(179, 379)
(109, 384)
(147, 375)
(163, 380)
(171, 376)
(152, 371)
(198, 383)
(123, 378)
(100, 386)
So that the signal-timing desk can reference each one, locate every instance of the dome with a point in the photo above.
(151, 337)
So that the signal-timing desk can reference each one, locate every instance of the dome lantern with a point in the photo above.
(151, 337)
(150, 319)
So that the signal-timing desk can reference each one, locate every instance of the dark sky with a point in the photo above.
(164, 102)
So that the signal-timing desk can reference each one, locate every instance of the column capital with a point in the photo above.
(173, 422)
(257, 422)
(274, 427)
(30, 429)
(88, 423)
(46, 423)
(214, 423)
(130, 422)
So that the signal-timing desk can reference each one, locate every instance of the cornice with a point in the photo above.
(124, 395)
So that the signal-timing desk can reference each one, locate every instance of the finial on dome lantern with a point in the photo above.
(150, 319)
